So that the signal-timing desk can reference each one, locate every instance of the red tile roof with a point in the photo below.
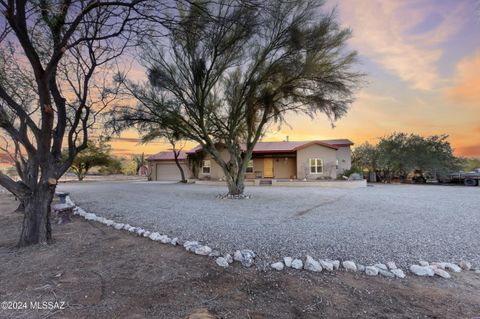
(167, 156)
(290, 146)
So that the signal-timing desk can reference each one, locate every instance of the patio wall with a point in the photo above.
(293, 183)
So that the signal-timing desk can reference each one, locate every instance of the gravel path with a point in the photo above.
(403, 223)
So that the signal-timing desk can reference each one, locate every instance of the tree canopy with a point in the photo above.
(96, 154)
(400, 154)
(56, 62)
(228, 69)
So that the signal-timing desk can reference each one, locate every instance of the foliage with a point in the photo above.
(400, 154)
(194, 161)
(353, 169)
(228, 70)
(56, 62)
(139, 161)
(470, 164)
(96, 154)
(129, 167)
(114, 166)
(365, 156)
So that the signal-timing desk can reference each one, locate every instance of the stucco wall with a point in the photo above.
(216, 171)
(257, 167)
(344, 156)
(327, 155)
(284, 167)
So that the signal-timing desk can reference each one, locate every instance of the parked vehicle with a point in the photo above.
(467, 178)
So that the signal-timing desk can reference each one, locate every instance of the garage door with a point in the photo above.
(169, 172)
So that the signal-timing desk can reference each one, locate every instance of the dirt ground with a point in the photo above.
(99, 272)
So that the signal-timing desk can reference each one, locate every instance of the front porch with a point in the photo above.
(272, 166)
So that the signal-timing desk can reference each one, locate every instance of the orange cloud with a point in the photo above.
(467, 88)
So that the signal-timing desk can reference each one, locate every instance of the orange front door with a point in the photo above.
(268, 167)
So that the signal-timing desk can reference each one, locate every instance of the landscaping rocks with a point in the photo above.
(277, 266)
(386, 273)
(214, 253)
(326, 264)
(226, 231)
(164, 239)
(442, 273)
(312, 265)
(191, 245)
(228, 258)
(288, 261)
(422, 270)
(438, 265)
(465, 265)
(349, 266)
(398, 273)
(371, 270)
(203, 250)
(391, 265)
(118, 226)
(155, 236)
(452, 267)
(381, 266)
(336, 264)
(297, 264)
(222, 262)
(245, 256)
(230, 196)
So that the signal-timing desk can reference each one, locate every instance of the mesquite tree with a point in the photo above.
(55, 58)
(228, 69)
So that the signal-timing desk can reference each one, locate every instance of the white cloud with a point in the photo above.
(383, 30)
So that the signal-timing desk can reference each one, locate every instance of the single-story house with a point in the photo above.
(321, 159)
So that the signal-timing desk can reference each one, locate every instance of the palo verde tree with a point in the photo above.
(229, 69)
(54, 56)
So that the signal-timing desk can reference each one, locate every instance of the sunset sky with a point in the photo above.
(422, 59)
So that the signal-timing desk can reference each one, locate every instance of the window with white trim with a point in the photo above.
(316, 166)
(249, 166)
(206, 167)
(336, 164)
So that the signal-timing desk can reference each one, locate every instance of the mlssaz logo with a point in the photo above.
(48, 305)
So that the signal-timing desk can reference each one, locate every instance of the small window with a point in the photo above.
(336, 164)
(316, 166)
(206, 167)
(250, 166)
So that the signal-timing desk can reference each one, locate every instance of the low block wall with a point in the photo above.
(332, 184)
(329, 183)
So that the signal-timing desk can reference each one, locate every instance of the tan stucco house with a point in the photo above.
(297, 160)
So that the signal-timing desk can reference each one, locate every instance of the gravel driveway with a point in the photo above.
(403, 223)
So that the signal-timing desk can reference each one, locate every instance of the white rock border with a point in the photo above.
(246, 257)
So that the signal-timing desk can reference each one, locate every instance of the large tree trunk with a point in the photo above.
(36, 222)
(182, 173)
(236, 186)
